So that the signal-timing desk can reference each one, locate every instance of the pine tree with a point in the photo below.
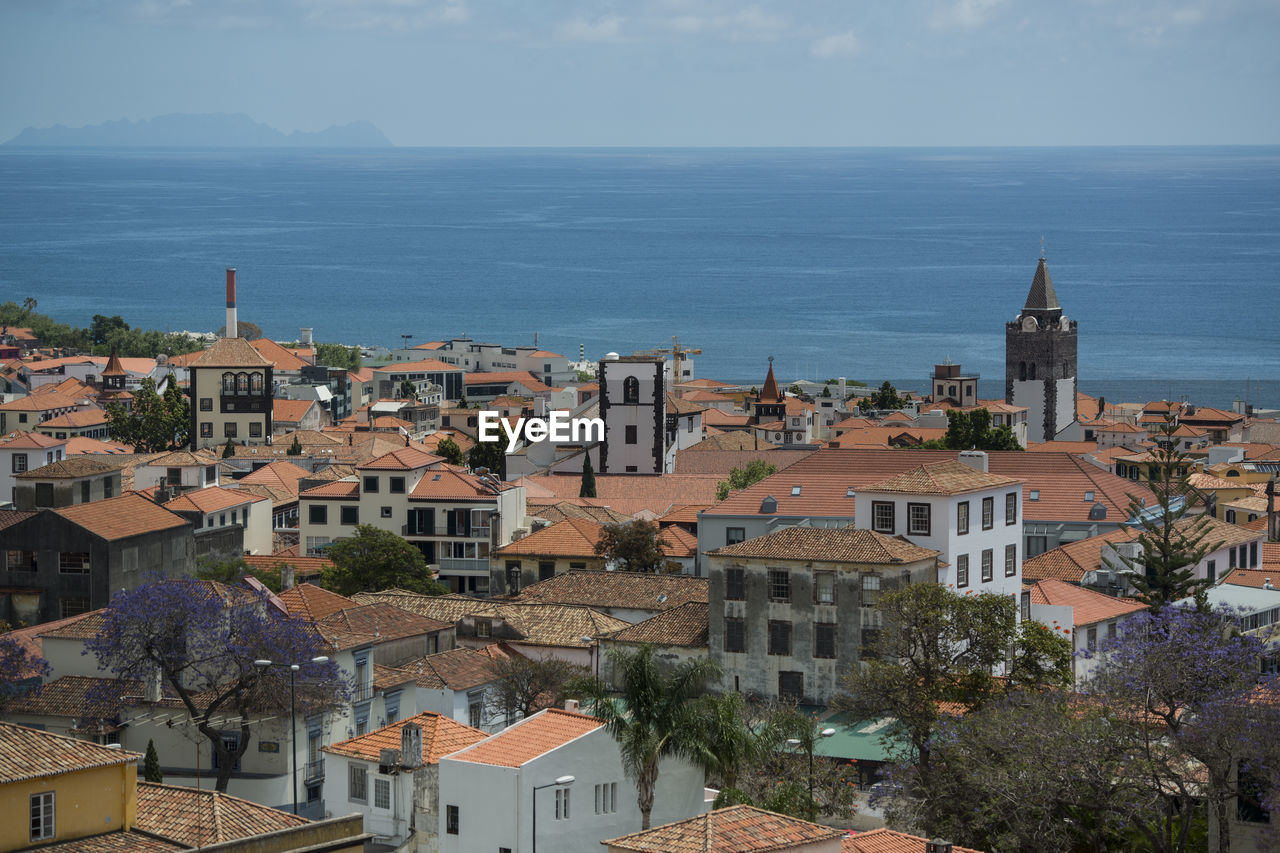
(588, 489)
(229, 450)
(151, 764)
(295, 449)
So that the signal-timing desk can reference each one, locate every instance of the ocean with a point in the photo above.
(865, 263)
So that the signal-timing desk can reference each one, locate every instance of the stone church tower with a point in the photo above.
(1040, 362)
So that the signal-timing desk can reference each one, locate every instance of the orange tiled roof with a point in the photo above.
(1080, 447)
(29, 441)
(402, 459)
(73, 467)
(704, 459)
(1087, 607)
(282, 475)
(440, 737)
(530, 738)
(211, 499)
(313, 602)
(685, 625)
(885, 840)
(884, 436)
(457, 669)
(631, 590)
(40, 403)
(288, 411)
(282, 358)
(558, 510)
(230, 352)
(197, 818)
(573, 537)
(736, 829)
(829, 545)
(336, 489)
(429, 365)
(116, 841)
(29, 754)
(365, 624)
(629, 493)
(74, 420)
(506, 377)
(122, 517)
(305, 566)
(447, 484)
(948, 477)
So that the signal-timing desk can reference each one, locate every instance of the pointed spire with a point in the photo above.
(113, 368)
(1041, 297)
(770, 390)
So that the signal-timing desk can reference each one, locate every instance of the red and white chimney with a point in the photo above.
(232, 329)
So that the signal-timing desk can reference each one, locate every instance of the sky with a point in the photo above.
(661, 72)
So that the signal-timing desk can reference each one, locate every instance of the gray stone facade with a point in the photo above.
(1040, 361)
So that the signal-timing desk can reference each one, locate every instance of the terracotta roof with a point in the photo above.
(446, 484)
(440, 737)
(941, 478)
(685, 625)
(736, 829)
(1087, 607)
(457, 669)
(10, 517)
(1081, 447)
(507, 377)
(886, 436)
(1257, 578)
(829, 545)
(29, 440)
(379, 622)
(115, 842)
(29, 754)
(305, 566)
(683, 514)
(122, 517)
(701, 459)
(1123, 427)
(444, 608)
(703, 383)
(1200, 480)
(629, 493)
(574, 537)
(336, 489)
(401, 459)
(280, 357)
(630, 590)
(230, 352)
(29, 638)
(288, 411)
(198, 818)
(679, 406)
(73, 467)
(770, 393)
(429, 365)
(559, 510)
(281, 475)
(82, 418)
(529, 738)
(677, 542)
(313, 602)
(715, 417)
(40, 402)
(1061, 480)
(699, 395)
(889, 841)
(80, 697)
(211, 499)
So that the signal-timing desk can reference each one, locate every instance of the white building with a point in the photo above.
(1084, 617)
(974, 518)
(22, 452)
(633, 406)
(572, 766)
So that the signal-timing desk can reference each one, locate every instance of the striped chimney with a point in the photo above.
(232, 329)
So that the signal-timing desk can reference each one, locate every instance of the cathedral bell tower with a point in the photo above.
(1040, 361)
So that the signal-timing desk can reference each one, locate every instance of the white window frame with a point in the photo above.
(44, 825)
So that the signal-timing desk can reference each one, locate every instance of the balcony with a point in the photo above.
(477, 532)
(361, 693)
(315, 770)
(455, 564)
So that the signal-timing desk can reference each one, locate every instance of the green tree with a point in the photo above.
(449, 449)
(151, 764)
(936, 646)
(231, 571)
(635, 545)
(156, 423)
(972, 430)
(229, 449)
(295, 449)
(588, 489)
(585, 376)
(244, 329)
(656, 715)
(524, 686)
(1173, 540)
(376, 559)
(337, 355)
(739, 478)
(883, 400)
(408, 391)
(489, 455)
(100, 327)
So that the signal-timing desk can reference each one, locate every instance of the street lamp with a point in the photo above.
(562, 782)
(808, 742)
(293, 715)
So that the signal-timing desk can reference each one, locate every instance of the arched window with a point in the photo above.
(1031, 371)
(242, 383)
(255, 383)
(1022, 371)
(1064, 370)
(228, 383)
(631, 390)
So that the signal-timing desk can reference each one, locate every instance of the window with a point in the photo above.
(206, 429)
(546, 570)
(790, 685)
(230, 743)
(824, 587)
(318, 514)
(1253, 554)
(962, 571)
(562, 803)
(918, 519)
(385, 512)
(987, 568)
(371, 484)
(1231, 558)
(108, 486)
(19, 463)
(870, 586)
(882, 516)
(483, 628)
(229, 429)
(206, 404)
(1010, 560)
(1092, 637)
(962, 518)
(824, 640)
(316, 545)
(1026, 606)
(779, 637)
(211, 475)
(42, 824)
(607, 798)
(395, 485)
(451, 820)
(631, 390)
(734, 535)
(255, 429)
(85, 489)
(631, 434)
(72, 605)
(73, 562)
(1251, 788)
(735, 634)
(475, 709)
(21, 561)
(870, 642)
(779, 585)
(988, 513)
(1111, 630)
(255, 384)
(228, 383)
(350, 515)
(44, 494)
(382, 793)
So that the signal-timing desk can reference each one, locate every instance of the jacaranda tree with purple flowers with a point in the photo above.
(199, 639)
(20, 669)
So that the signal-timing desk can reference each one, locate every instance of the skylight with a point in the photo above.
(848, 493)
(1088, 496)
(795, 490)
(1035, 494)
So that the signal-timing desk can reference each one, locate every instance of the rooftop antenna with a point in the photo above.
(1042, 247)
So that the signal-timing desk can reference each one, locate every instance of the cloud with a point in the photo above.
(841, 44)
(608, 28)
(751, 23)
(386, 15)
(964, 14)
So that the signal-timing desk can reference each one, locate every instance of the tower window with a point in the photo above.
(1022, 371)
(631, 390)
(1031, 371)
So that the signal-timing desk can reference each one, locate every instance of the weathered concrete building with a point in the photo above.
(792, 611)
(1040, 362)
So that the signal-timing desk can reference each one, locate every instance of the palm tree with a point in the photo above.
(658, 714)
(732, 740)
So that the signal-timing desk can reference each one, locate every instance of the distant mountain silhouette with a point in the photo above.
(206, 130)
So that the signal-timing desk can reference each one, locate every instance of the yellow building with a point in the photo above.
(56, 788)
(561, 547)
(231, 395)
